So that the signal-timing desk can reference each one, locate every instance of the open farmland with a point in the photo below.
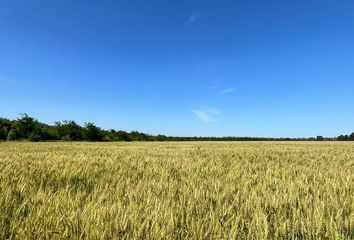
(177, 190)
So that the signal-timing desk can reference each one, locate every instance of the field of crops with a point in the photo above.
(189, 190)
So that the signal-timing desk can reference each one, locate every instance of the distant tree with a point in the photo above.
(122, 136)
(93, 133)
(161, 138)
(69, 130)
(343, 138)
(36, 137)
(109, 135)
(26, 126)
(319, 138)
(5, 127)
(137, 136)
(351, 137)
(40, 133)
(52, 133)
(12, 135)
(113, 135)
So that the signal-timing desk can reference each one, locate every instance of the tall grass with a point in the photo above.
(193, 190)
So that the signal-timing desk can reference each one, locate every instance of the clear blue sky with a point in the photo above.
(208, 67)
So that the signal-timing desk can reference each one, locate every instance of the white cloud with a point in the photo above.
(227, 91)
(206, 114)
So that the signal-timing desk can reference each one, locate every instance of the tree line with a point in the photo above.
(29, 128)
(346, 137)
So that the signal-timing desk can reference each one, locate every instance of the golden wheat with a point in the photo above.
(189, 190)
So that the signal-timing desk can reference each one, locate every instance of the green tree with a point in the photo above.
(12, 135)
(351, 137)
(25, 126)
(93, 133)
(122, 136)
(40, 134)
(5, 127)
(137, 136)
(69, 130)
(161, 138)
(343, 138)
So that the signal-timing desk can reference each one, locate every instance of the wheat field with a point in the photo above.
(177, 190)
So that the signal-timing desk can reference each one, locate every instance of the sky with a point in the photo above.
(270, 68)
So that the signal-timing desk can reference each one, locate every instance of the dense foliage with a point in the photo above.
(194, 190)
(28, 128)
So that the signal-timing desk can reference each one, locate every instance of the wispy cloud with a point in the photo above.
(193, 17)
(206, 114)
(227, 91)
(218, 89)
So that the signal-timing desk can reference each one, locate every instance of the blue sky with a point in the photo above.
(206, 68)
